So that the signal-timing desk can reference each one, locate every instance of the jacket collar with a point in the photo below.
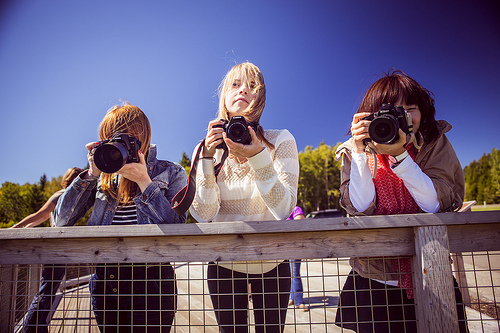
(443, 127)
(151, 154)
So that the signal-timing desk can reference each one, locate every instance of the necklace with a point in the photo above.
(239, 165)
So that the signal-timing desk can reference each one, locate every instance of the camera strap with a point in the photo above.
(413, 138)
(183, 199)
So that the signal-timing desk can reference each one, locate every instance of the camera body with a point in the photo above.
(237, 129)
(386, 122)
(111, 155)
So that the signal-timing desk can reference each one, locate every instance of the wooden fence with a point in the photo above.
(428, 238)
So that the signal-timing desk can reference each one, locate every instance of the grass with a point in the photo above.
(479, 208)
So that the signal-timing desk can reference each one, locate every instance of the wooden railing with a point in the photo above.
(428, 238)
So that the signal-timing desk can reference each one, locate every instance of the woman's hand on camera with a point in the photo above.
(93, 170)
(359, 131)
(213, 138)
(244, 151)
(137, 172)
(393, 149)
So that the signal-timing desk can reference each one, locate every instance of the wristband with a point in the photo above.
(91, 175)
(398, 159)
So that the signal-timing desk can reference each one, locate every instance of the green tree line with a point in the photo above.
(482, 181)
(319, 178)
(319, 184)
(18, 201)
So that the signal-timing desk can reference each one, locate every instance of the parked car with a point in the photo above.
(324, 213)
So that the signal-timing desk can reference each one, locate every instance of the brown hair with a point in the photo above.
(254, 111)
(131, 120)
(397, 86)
(69, 176)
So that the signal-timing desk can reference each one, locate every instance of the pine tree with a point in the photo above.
(495, 175)
(482, 179)
(12, 205)
(36, 196)
(319, 179)
(185, 162)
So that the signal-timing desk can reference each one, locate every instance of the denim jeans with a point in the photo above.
(37, 319)
(296, 290)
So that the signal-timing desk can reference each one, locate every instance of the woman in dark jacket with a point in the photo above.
(415, 170)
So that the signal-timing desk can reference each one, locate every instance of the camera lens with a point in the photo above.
(238, 133)
(110, 157)
(384, 129)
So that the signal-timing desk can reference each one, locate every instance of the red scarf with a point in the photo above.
(393, 198)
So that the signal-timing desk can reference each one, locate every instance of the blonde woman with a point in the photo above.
(258, 181)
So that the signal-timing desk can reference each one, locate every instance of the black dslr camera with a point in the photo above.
(386, 122)
(237, 129)
(110, 155)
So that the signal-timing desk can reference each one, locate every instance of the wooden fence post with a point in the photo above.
(435, 303)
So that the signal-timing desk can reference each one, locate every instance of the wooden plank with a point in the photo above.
(254, 227)
(474, 238)
(254, 240)
(435, 304)
(313, 244)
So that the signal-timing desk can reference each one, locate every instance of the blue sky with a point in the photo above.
(64, 63)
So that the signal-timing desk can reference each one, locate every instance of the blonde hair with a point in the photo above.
(131, 120)
(254, 77)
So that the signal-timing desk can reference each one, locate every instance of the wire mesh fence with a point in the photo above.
(71, 276)
(70, 308)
